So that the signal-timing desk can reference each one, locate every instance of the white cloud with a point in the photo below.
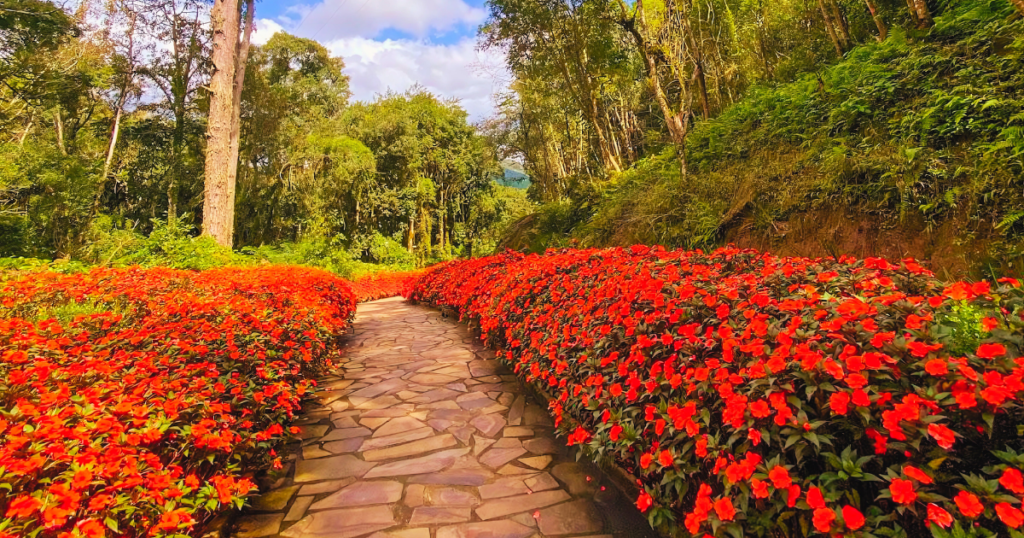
(335, 19)
(265, 28)
(456, 70)
(348, 28)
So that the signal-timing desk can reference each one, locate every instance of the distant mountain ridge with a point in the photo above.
(515, 176)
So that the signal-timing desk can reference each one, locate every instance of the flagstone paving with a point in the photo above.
(421, 433)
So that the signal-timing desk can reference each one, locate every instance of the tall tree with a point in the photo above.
(231, 36)
(179, 70)
(664, 40)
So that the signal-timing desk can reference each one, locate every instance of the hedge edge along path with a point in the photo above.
(759, 395)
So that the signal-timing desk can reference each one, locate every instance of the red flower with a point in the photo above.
(990, 351)
(614, 432)
(724, 509)
(823, 518)
(968, 504)
(23, 506)
(814, 498)
(644, 501)
(942, 435)
(665, 458)
(1012, 480)
(1009, 515)
(939, 516)
(936, 367)
(902, 491)
(173, 520)
(759, 488)
(90, 528)
(779, 476)
(852, 518)
(839, 402)
(645, 461)
(792, 495)
(917, 474)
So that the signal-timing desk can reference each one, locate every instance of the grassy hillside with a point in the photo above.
(913, 146)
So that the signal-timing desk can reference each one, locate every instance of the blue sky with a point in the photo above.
(395, 44)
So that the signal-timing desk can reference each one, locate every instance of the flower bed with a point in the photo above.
(138, 402)
(759, 395)
(383, 285)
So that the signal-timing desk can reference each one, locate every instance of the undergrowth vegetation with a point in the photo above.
(924, 126)
(756, 395)
(139, 402)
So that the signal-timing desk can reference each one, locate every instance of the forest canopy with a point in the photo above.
(104, 119)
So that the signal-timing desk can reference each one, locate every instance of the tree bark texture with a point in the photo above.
(830, 28)
(924, 15)
(883, 32)
(221, 151)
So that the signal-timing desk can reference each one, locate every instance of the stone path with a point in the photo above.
(422, 434)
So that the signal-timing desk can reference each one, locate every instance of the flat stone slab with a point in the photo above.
(542, 445)
(489, 425)
(325, 487)
(573, 475)
(274, 500)
(414, 448)
(487, 529)
(344, 523)
(575, 517)
(397, 439)
(427, 464)
(537, 462)
(362, 494)
(377, 389)
(311, 432)
(344, 447)
(496, 457)
(258, 526)
(398, 425)
(520, 503)
(345, 433)
(434, 515)
(449, 496)
(433, 379)
(298, 508)
(331, 468)
(456, 477)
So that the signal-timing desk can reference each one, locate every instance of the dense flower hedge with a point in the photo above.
(383, 285)
(137, 402)
(765, 396)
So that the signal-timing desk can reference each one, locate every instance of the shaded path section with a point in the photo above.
(421, 433)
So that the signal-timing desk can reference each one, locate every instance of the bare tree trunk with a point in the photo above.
(58, 125)
(677, 122)
(924, 16)
(703, 88)
(913, 12)
(768, 71)
(242, 57)
(843, 30)
(114, 132)
(883, 32)
(830, 28)
(218, 203)
(24, 135)
(412, 233)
